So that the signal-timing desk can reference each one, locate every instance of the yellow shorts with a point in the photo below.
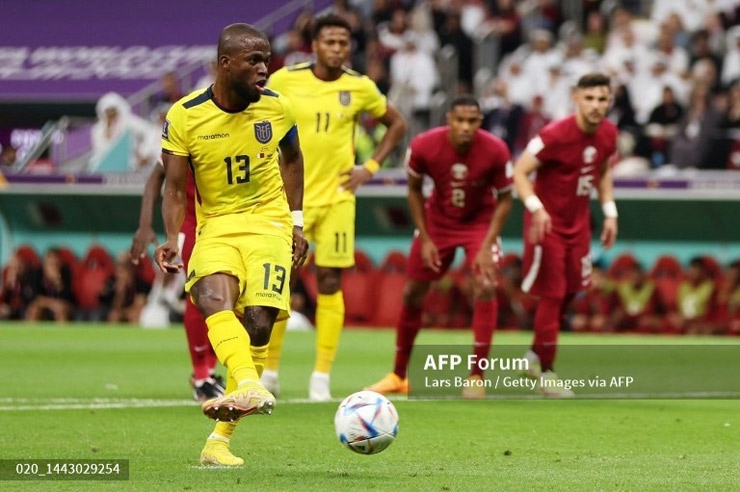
(332, 229)
(261, 263)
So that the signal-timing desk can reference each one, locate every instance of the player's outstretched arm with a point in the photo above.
(174, 203)
(605, 187)
(429, 252)
(145, 235)
(483, 263)
(396, 129)
(291, 168)
(541, 222)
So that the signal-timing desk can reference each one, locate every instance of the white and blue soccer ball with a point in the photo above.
(366, 422)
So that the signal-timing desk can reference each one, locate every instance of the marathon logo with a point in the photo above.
(213, 136)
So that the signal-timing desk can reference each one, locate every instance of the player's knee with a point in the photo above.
(329, 280)
(258, 322)
(211, 302)
(414, 292)
(484, 292)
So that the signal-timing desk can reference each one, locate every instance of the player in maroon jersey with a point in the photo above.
(471, 171)
(571, 157)
(205, 383)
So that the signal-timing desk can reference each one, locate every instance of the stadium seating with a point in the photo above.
(357, 286)
(94, 271)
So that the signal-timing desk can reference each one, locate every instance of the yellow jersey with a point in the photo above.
(235, 161)
(327, 114)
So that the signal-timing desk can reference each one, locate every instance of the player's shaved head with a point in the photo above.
(235, 36)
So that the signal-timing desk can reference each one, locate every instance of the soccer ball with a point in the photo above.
(366, 422)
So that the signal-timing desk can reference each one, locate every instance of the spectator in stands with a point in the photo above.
(297, 51)
(662, 127)
(539, 59)
(124, 295)
(516, 309)
(18, 289)
(421, 27)
(392, 35)
(54, 299)
(636, 305)
(9, 157)
(690, 148)
(731, 62)
(501, 116)
(595, 37)
(728, 300)
(506, 23)
(730, 128)
(696, 300)
(170, 92)
(116, 121)
(532, 121)
(453, 35)
(592, 307)
(702, 50)
(413, 79)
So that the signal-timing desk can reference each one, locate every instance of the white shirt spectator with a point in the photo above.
(114, 120)
(731, 65)
(414, 71)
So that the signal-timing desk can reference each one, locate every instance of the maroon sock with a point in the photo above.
(408, 327)
(546, 328)
(485, 315)
(198, 342)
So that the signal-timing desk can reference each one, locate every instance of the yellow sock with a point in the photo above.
(230, 341)
(224, 430)
(329, 322)
(259, 356)
(275, 348)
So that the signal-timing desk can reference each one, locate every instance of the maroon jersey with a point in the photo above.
(570, 164)
(464, 185)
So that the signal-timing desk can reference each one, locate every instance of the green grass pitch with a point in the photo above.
(56, 382)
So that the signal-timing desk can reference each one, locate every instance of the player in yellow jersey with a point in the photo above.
(239, 140)
(328, 99)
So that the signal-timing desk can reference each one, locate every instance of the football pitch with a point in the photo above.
(116, 392)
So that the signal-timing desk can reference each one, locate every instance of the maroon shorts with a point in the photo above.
(557, 266)
(447, 241)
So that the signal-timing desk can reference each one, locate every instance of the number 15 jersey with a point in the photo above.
(235, 161)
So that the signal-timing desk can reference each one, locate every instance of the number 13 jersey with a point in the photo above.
(234, 158)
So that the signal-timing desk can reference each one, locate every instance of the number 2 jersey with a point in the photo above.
(234, 158)
(464, 185)
(327, 113)
(570, 163)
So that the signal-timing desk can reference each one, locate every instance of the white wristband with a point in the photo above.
(533, 203)
(297, 217)
(610, 209)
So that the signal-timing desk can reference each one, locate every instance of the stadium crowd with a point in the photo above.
(700, 298)
(675, 65)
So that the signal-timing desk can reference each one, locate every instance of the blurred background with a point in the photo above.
(82, 100)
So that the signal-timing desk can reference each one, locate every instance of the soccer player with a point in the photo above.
(205, 382)
(571, 157)
(240, 141)
(328, 100)
(471, 171)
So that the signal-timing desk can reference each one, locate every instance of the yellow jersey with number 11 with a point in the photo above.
(327, 114)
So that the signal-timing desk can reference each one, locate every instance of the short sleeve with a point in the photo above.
(291, 130)
(374, 101)
(543, 146)
(174, 132)
(503, 179)
(414, 161)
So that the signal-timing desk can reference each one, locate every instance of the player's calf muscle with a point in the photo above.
(329, 280)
